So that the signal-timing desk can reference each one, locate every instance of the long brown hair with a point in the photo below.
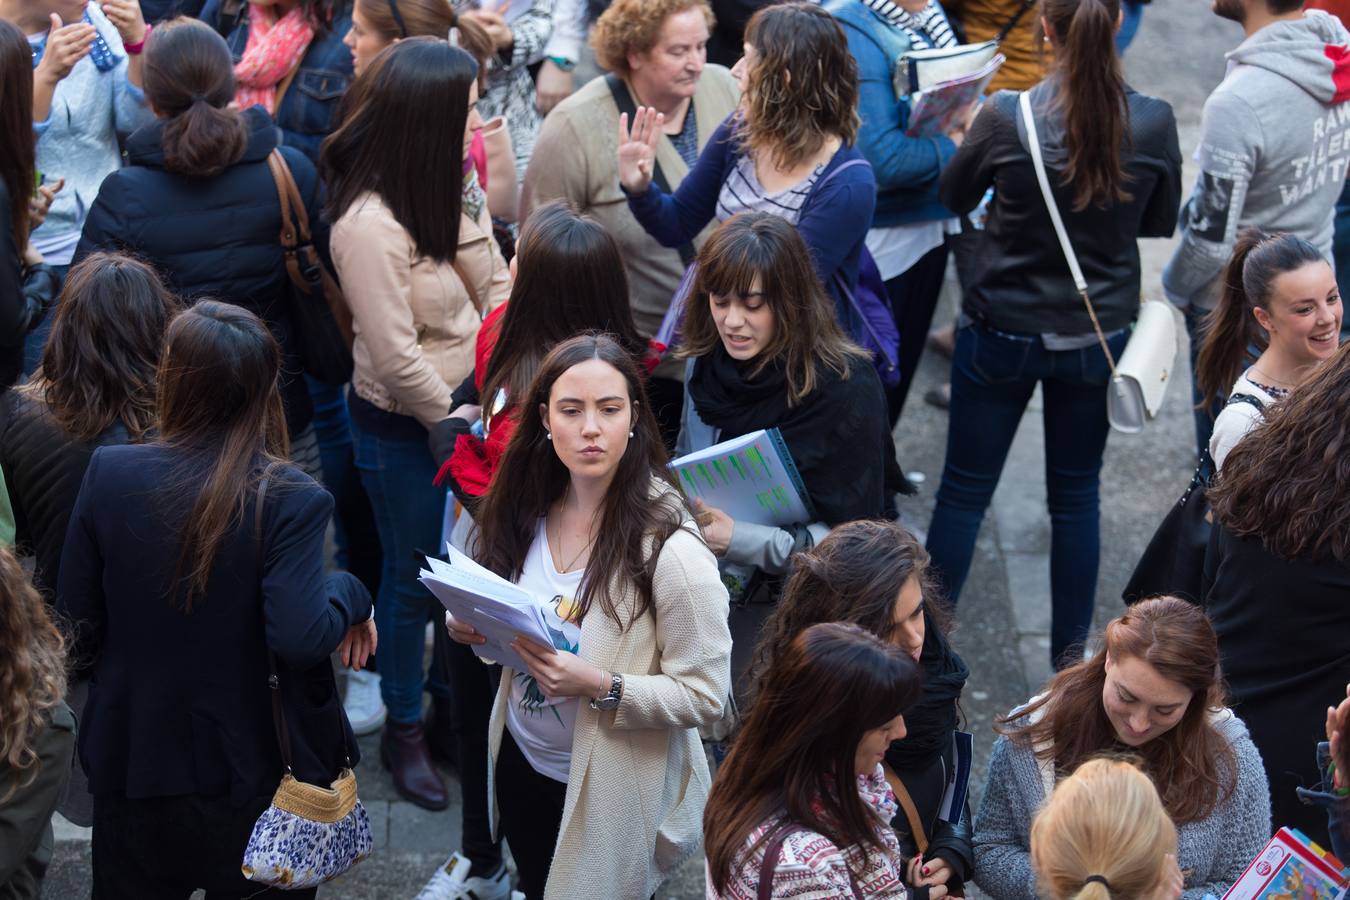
(32, 672)
(570, 278)
(1248, 284)
(806, 332)
(404, 140)
(790, 117)
(396, 20)
(853, 575)
(1091, 97)
(1193, 765)
(531, 477)
(98, 367)
(1288, 482)
(796, 753)
(17, 145)
(189, 77)
(218, 391)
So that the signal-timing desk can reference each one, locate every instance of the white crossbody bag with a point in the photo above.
(1139, 379)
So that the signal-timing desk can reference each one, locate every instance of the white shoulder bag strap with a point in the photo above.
(1079, 282)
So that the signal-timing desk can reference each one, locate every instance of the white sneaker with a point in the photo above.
(452, 882)
(364, 706)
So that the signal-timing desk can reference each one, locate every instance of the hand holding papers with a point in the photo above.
(497, 609)
(750, 478)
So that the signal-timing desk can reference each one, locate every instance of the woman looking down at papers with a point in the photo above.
(764, 350)
(582, 513)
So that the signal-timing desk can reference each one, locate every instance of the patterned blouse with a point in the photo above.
(812, 868)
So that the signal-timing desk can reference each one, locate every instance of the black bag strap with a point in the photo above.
(1012, 23)
(273, 682)
(623, 99)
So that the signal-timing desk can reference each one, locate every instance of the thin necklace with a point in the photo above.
(1275, 382)
(568, 568)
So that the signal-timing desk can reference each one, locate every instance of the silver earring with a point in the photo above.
(548, 435)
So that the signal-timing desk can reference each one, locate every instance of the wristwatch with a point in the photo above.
(610, 700)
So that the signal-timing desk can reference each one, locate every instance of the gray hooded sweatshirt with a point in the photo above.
(1274, 146)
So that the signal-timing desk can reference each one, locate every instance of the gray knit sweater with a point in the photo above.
(1214, 850)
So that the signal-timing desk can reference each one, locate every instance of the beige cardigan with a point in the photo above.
(576, 158)
(415, 321)
(638, 778)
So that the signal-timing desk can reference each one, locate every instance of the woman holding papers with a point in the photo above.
(590, 740)
(851, 576)
(1154, 690)
(764, 350)
(1113, 160)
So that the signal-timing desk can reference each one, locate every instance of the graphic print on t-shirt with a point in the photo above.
(560, 619)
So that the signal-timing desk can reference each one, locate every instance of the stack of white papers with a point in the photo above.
(496, 608)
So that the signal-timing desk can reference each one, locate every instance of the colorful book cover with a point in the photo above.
(938, 109)
(1291, 867)
(751, 478)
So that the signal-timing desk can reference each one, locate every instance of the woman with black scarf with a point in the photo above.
(765, 351)
(876, 575)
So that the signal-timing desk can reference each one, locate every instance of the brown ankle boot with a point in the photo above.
(403, 751)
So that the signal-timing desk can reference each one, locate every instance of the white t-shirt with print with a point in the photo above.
(541, 727)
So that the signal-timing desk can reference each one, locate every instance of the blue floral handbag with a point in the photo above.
(309, 834)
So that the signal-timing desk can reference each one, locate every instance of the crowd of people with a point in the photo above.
(263, 355)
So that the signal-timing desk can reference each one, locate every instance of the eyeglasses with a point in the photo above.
(398, 18)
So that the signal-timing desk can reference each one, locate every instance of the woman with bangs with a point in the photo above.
(788, 150)
(764, 350)
(1154, 690)
(780, 821)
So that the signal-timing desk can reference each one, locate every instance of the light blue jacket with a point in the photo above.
(91, 113)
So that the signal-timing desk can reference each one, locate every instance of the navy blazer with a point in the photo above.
(179, 701)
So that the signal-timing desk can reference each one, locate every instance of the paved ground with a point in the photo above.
(1004, 616)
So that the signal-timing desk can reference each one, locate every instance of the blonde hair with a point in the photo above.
(32, 671)
(634, 26)
(1104, 820)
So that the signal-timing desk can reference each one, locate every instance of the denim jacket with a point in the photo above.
(906, 168)
(306, 113)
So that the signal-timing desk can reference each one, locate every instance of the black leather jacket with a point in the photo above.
(1021, 281)
(951, 841)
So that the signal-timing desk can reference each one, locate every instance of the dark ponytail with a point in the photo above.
(189, 79)
(1258, 259)
(1091, 98)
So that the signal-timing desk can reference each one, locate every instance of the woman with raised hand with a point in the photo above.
(851, 576)
(788, 150)
(1154, 689)
(589, 737)
(764, 350)
(1277, 576)
(1114, 164)
(198, 201)
(180, 590)
(1279, 294)
(1104, 834)
(801, 801)
(412, 243)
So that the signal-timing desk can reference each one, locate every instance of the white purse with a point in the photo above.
(1139, 379)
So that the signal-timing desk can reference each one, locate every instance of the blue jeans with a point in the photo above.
(1131, 14)
(993, 376)
(397, 474)
(358, 542)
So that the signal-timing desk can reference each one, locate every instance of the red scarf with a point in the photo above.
(275, 48)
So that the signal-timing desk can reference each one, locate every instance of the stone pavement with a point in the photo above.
(1003, 620)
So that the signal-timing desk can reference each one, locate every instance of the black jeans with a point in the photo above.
(914, 296)
(531, 808)
(164, 848)
(472, 689)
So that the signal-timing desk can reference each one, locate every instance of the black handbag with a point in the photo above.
(1173, 563)
(319, 311)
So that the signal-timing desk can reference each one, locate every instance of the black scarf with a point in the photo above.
(836, 435)
(929, 723)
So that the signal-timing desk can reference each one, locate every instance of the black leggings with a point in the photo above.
(531, 808)
(914, 297)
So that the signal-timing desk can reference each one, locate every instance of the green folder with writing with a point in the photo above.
(751, 478)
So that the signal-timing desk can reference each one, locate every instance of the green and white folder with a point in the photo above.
(751, 478)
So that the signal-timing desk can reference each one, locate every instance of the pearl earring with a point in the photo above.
(630, 434)
(548, 435)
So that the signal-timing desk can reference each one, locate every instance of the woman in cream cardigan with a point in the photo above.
(412, 243)
(599, 776)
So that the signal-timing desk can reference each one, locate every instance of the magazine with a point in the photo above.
(1291, 866)
(942, 106)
